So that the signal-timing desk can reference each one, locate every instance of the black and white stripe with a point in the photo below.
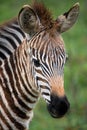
(17, 97)
(24, 74)
(30, 67)
(11, 36)
(48, 61)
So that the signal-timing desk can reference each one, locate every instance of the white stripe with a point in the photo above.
(43, 84)
(46, 97)
(13, 78)
(40, 75)
(5, 43)
(22, 88)
(10, 88)
(2, 111)
(15, 25)
(6, 76)
(27, 74)
(50, 71)
(1, 60)
(15, 32)
(11, 37)
(4, 52)
(18, 119)
(45, 91)
(18, 33)
(2, 82)
(3, 125)
(7, 119)
(3, 97)
(19, 106)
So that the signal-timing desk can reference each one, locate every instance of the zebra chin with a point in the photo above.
(58, 106)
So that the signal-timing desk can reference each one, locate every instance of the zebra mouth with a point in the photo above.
(58, 107)
(52, 111)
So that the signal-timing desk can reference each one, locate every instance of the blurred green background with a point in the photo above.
(75, 68)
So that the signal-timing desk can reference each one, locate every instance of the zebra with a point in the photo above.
(32, 58)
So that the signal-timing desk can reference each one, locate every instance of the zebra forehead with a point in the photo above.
(48, 47)
(51, 52)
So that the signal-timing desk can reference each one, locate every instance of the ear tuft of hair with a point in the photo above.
(43, 13)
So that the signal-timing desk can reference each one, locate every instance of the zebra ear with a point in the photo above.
(28, 20)
(67, 20)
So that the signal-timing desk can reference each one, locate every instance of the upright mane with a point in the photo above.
(44, 14)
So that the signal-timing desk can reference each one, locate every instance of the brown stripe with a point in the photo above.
(23, 67)
(1, 128)
(17, 125)
(12, 84)
(4, 79)
(35, 93)
(15, 108)
(5, 122)
(25, 58)
(12, 105)
(2, 117)
(35, 96)
(17, 80)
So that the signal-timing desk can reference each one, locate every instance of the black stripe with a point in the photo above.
(6, 49)
(9, 40)
(46, 72)
(18, 29)
(4, 121)
(44, 93)
(44, 87)
(9, 73)
(14, 35)
(17, 124)
(17, 81)
(11, 101)
(0, 62)
(2, 55)
(1, 127)
(21, 78)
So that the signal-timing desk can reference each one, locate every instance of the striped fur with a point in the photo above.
(32, 58)
(11, 36)
(17, 95)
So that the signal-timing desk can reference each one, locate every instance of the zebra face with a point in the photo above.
(47, 54)
(47, 72)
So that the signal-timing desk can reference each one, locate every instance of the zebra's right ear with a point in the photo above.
(28, 20)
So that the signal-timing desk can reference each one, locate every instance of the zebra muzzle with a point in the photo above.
(58, 107)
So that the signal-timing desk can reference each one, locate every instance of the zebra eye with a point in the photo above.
(36, 62)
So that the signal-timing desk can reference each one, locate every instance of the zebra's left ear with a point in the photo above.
(67, 20)
(28, 20)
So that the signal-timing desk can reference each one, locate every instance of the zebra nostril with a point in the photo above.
(63, 107)
(58, 106)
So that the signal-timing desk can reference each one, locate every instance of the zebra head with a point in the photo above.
(47, 54)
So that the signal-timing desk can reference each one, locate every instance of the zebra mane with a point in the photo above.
(43, 13)
(8, 22)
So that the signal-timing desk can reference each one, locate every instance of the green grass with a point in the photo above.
(75, 68)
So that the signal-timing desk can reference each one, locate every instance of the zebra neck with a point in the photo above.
(17, 96)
